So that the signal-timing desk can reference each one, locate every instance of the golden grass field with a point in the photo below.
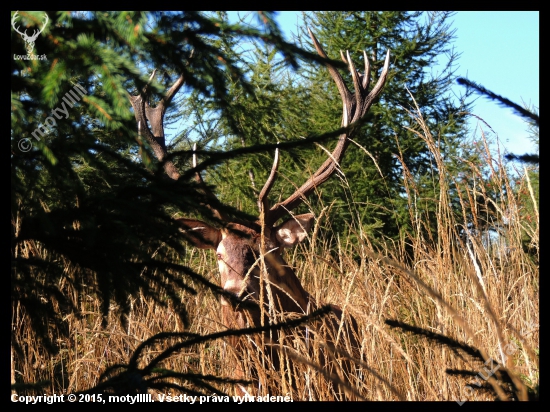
(477, 290)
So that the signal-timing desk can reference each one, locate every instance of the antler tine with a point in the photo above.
(345, 94)
(343, 57)
(13, 21)
(356, 85)
(263, 202)
(355, 106)
(366, 77)
(149, 82)
(367, 102)
(46, 20)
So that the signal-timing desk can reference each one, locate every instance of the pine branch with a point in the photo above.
(503, 100)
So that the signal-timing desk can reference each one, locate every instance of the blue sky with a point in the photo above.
(499, 50)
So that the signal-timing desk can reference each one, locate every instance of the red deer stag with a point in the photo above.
(249, 253)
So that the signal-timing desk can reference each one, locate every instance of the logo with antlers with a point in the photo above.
(29, 40)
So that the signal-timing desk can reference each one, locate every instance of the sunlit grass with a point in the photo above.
(476, 289)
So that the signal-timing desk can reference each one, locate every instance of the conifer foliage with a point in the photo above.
(389, 138)
(91, 207)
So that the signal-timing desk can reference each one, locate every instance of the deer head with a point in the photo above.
(29, 40)
(249, 252)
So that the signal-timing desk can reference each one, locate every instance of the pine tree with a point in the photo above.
(416, 42)
(271, 111)
(91, 205)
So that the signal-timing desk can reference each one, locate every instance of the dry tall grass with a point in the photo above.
(473, 288)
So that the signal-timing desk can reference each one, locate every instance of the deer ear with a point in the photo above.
(294, 230)
(200, 234)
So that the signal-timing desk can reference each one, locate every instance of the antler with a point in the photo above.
(17, 28)
(29, 40)
(154, 131)
(355, 106)
(36, 32)
(263, 203)
(152, 119)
